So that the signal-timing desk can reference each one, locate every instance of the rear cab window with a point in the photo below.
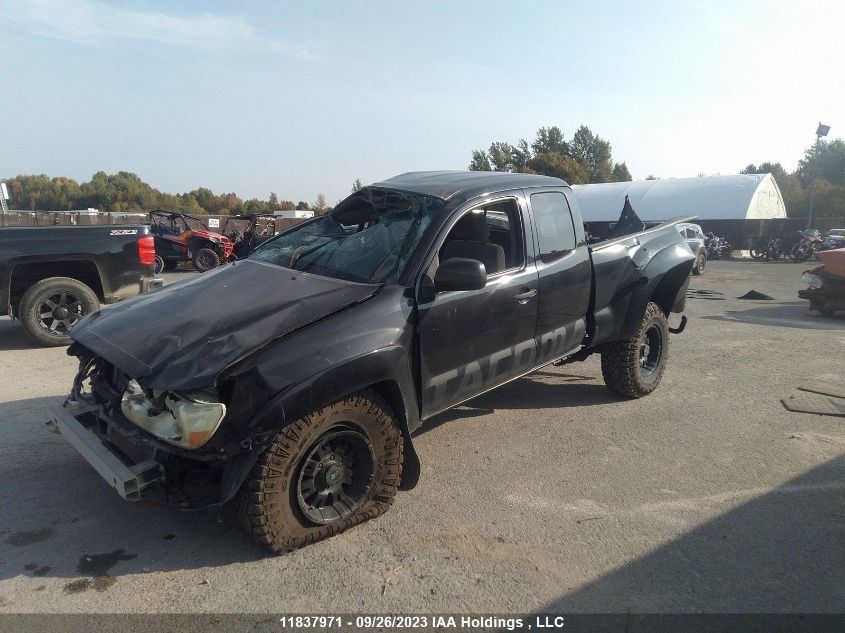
(556, 233)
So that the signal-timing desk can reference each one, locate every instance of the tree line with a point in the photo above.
(125, 191)
(829, 172)
(585, 158)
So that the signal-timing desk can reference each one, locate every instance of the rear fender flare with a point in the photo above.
(664, 281)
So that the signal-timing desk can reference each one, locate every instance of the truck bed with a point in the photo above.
(624, 265)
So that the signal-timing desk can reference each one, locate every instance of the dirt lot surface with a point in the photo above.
(548, 494)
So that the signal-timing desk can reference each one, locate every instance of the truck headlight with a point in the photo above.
(812, 280)
(187, 420)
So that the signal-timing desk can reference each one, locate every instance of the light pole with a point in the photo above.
(822, 130)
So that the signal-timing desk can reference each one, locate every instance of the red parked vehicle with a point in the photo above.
(181, 237)
(826, 291)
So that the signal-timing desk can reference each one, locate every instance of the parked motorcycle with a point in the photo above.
(758, 249)
(808, 243)
(767, 249)
(717, 247)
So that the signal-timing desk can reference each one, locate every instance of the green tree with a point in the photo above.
(520, 156)
(550, 141)
(553, 164)
(621, 173)
(319, 207)
(357, 185)
(588, 148)
(480, 161)
(302, 205)
(830, 165)
(273, 203)
(501, 156)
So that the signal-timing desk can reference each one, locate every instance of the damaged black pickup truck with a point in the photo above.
(297, 394)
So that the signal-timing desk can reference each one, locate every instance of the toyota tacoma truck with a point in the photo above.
(298, 395)
(52, 277)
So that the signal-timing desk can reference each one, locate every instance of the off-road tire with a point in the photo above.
(621, 362)
(160, 265)
(700, 262)
(206, 259)
(35, 296)
(268, 508)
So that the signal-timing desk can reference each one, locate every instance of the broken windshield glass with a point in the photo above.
(367, 238)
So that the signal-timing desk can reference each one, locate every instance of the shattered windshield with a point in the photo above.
(367, 238)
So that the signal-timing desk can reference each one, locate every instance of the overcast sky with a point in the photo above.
(304, 97)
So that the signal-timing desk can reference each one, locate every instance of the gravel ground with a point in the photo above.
(547, 494)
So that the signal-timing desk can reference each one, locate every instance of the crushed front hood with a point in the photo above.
(182, 336)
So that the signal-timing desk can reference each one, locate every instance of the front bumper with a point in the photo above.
(128, 478)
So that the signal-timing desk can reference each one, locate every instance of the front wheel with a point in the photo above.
(160, 265)
(324, 473)
(796, 254)
(634, 366)
(50, 308)
(757, 252)
(206, 259)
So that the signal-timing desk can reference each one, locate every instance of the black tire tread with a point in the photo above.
(257, 512)
(620, 360)
(213, 254)
(25, 314)
(700, 262)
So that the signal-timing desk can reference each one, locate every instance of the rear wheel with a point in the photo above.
(160, 265)
(49, 309)
(757, 252)
(323, 474)
(206, 259)
(700, 262)
(633, 367)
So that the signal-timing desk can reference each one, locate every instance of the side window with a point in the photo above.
(491, 234)
(555, 231)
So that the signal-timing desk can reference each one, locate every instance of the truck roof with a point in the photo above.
(465, 184)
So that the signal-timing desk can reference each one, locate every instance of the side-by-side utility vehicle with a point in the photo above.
(181, 237)
(297, 396)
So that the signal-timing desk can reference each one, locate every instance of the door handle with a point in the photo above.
(523, 297)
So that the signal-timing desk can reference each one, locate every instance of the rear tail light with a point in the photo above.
(147, 250)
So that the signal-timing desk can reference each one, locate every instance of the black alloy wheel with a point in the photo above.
(651, 350)
(336, 475)
(59, 312)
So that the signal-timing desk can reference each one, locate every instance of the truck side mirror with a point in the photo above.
(459, 273)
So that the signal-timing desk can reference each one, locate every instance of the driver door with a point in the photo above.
(474, 340)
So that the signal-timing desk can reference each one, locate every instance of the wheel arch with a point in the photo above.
(385, 371)
(26, 275)
(665, 280)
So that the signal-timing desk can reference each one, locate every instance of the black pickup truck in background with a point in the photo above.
(338, 338)
(52, 277)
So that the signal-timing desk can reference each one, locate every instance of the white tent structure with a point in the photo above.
(740, 197)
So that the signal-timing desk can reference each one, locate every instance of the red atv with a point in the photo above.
(180, 237)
